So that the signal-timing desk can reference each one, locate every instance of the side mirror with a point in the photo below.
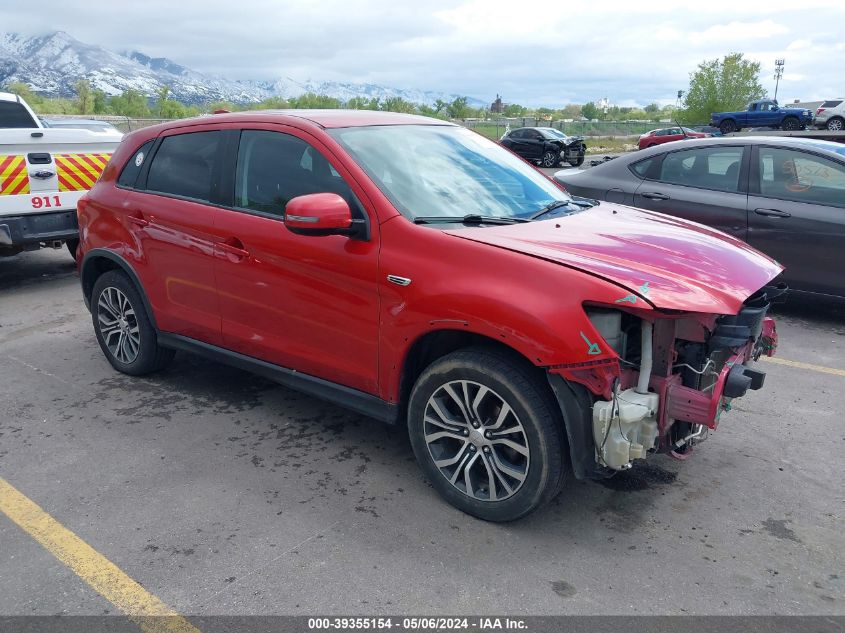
(321, 214)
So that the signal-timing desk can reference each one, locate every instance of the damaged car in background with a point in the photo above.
(416, 272)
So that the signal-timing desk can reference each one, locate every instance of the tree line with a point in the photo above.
(715, 86)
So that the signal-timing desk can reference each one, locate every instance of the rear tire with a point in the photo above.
(835, 124)
(459, 410)
(123, 328)
(550, 159)
(727, 126)
(790, 124)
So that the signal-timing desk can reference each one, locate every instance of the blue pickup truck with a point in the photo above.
(762, 113)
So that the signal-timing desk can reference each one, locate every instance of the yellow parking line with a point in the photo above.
(95, 569)
(794, 363)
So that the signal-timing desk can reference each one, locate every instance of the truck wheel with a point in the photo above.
(727, 126)
(790, 123)
(123, 327)
(835, 124)
(487, 434)
(72, 245)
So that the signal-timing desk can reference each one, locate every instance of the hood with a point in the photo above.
(671, 263)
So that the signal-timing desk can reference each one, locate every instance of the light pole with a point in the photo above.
(779, 63)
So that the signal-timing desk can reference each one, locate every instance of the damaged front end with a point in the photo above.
(674, 375)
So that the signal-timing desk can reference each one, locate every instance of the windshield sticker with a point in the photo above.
(592, 348)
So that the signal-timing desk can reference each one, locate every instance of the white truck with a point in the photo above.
(43, 172)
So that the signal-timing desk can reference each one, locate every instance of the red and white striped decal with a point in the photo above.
(79, 172)
(13, 177)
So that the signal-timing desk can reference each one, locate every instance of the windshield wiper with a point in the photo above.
(471, 218)
(557, 204)
(584, 203)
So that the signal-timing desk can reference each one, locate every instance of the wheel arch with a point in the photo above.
(98, 261)
(435, 344)
(571, 402)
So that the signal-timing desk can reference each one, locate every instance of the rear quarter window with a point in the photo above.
(641, 168)
(129, 176)
(831, 104)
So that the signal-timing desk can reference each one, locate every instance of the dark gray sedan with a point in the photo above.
(784, 196)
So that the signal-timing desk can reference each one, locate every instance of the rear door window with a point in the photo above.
(183, 165)
(707, 167)
(831, 104)
(801, 177)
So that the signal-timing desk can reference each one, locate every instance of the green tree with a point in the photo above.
(590, 111)
(84, 99)
(514, 110)
(458, 109)
(652, 108)
(312, 100)
(99, 102)
(570, 111)
(131, 103)
(721, 86)
(398, 104)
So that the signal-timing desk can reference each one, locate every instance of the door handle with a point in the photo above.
(233, 248)
(653, 195)
(773, 213)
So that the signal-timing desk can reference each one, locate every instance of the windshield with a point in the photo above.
(552, 132)
(445, 171)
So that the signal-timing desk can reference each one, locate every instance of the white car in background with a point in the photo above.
(830, 115)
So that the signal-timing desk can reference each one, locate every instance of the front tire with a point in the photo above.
(578, 161)
(123, 327)
(487, 434)
(790, 124)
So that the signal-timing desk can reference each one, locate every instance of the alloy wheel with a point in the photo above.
(118, 325)
(834, 125)
(476, 440)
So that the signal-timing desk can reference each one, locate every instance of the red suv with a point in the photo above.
(418, 273)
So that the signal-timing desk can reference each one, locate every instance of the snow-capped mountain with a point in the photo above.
(51, 64)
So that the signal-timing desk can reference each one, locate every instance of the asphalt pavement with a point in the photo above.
(222, 493)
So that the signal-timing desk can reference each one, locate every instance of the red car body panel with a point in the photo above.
(671, 263)
(650, 139)
(323, 306)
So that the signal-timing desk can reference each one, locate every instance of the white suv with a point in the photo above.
(831, 115)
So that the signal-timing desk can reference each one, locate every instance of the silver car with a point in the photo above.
(831, 115)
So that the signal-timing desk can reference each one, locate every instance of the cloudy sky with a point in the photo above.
(549, 52)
